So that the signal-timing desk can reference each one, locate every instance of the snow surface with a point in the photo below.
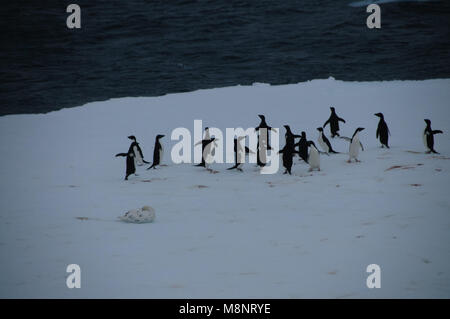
(230, 234)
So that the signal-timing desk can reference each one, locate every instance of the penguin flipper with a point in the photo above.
(362, 147)
(145, 161)
(153, 165)
(437, 132)
(122, 154)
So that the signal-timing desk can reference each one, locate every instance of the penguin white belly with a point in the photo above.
(322, 144)
(314, 158)
(138, 156)
(425, 143)
(161, 154)
(354, 148)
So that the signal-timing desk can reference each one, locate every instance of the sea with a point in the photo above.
(133, 48)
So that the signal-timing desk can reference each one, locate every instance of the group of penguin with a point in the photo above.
(306, 150)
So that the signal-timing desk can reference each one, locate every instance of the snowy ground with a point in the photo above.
(230, 234)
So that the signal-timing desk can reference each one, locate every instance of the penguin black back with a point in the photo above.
(333, 120)
(157, 152)
(382, 131)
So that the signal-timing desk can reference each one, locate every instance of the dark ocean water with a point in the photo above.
(155, 47)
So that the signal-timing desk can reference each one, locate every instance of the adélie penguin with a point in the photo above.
(131, 168)
(355, 144)
(324, 142)
(207, 147)
(239, 153)
(313, 157)
(263, 125)
(382, 131)
(303, 147)
(139, 157)
(288, 152)
(158, 152)
(428, 137)
(334, 120)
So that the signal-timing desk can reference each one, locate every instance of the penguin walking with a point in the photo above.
(355, 144)
(382, 131)
(428, 137)
(303, 147)
(334, 123)
(324, 142)
(139, 157)
(131, 168)
(264, 125)
(288, 153)
(158, 152)
(207, 147)
(239, 154)
(313, 157)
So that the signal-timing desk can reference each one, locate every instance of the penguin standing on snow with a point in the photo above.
(207, 147)
(288, 154)
(288, 150)
(382, 131)
(139, 157)
(428, 137)
(303, 147)
(158, 152)
(355, 144)
(239, 154)
(313, 157)
(334, 123)
(131, 169)
(263, 124)
(324, 142)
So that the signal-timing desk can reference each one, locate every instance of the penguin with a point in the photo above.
(324, 142)
(355, 144)
(263, 124)
(382, 131)
(334, 123)
(313, 157)
(207, 136)
(207, 146)
(131, 168)
(158, 152)
(261, 153)
(290, 137)
(239, 152)
(428, 137)
(303, 147)
(139, 157)
(288, 153)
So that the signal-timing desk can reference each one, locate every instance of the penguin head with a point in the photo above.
(262, 117)
(359, 129)
(287, 128)
(206, 128)
(159, 136)
(303, 134)
(380, 115)
(132, 137)
(427, 121)
(332, 109)
(320, 129)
